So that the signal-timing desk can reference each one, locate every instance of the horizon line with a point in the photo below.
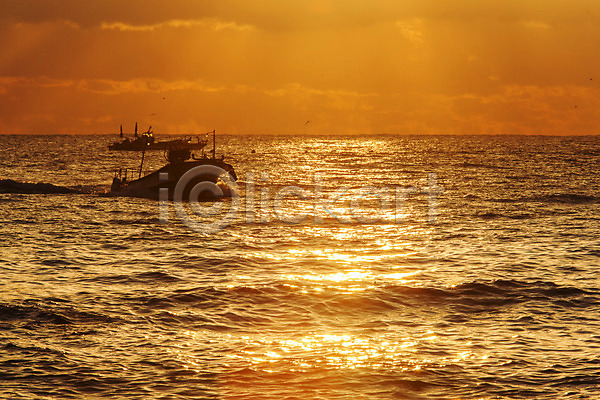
(313, 134)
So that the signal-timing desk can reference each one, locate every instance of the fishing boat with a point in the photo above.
(146, 141)
(138, 143)
(183, 178)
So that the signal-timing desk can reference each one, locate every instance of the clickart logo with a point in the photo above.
(193, 193)
(207, 199)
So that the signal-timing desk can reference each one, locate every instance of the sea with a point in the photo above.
(342, 267)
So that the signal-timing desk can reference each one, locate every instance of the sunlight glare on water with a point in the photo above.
(494, 295)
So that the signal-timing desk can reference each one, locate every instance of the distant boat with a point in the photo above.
(138, 143)
(146, 141)
(180, 161)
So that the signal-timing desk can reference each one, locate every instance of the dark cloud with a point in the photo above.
(278, 15)
(93, 12)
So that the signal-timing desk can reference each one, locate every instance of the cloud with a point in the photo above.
(533, 24)
(210, 23)
(145, 85)
(521, 109)
(430, 66)
(298, 89)
(291, 14)
(412, 29)
(108, 86)
(92, 13)
(10, 82)
(112, 87)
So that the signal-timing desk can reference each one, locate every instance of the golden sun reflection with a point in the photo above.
(349, 281)
(346, 257)
(390, 351)
(337, 351)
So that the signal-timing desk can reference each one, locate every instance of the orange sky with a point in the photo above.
(269, 66)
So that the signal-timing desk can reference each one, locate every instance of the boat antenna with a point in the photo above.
(143, 154)
(136, 129)
(121, 134)
(214, 145)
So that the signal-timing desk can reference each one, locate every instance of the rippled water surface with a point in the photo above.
(378, 267)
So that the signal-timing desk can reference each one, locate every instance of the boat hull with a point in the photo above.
(205, 179)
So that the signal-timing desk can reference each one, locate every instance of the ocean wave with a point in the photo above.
(493, 215)
(561, 198)
(136, 221)
(263, 304)
(476, 295)
(11, 186)
(480, 165)
(151, 277)
(38, 313)
(12, 347)
(472, 297)
(569, 198)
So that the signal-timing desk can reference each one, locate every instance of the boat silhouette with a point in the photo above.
(183, 172)
(138, 143)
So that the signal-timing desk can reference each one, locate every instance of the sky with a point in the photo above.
(300, 66)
